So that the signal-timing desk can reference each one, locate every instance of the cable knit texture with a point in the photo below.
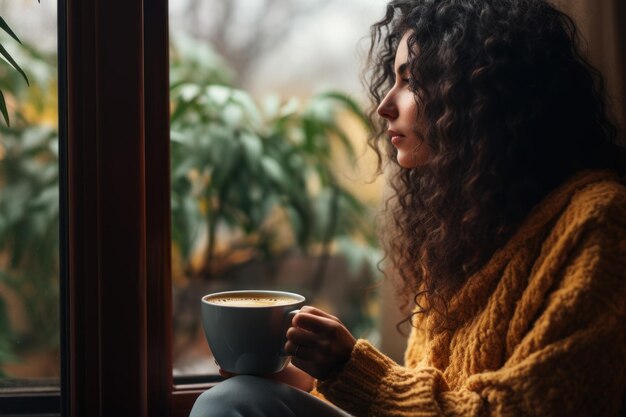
(539, 331)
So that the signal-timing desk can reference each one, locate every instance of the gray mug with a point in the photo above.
(249, 338)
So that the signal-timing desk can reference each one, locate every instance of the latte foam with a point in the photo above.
(251, 301)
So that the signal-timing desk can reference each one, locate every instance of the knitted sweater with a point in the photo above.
(539, 330)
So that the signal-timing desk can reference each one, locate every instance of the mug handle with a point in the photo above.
(288, 318)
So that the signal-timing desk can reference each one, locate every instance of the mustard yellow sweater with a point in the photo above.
(541, 329)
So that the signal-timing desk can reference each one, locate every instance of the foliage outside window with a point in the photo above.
(249, 181)
(254, 181)
(29, 215)
(8, 59)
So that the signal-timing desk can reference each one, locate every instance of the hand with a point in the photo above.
(318, 342)
(290, 376)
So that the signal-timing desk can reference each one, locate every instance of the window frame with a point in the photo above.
(118, 181)
(106, 339)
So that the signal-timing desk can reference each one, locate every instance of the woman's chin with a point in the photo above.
(407, 161)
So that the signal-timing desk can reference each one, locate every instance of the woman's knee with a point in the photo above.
(243, 396)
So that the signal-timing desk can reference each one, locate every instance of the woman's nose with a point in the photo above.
(387, 109)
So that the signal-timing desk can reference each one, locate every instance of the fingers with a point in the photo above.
(313, 346)
(318, 342)
(315, 323)
(320, 359)
(300, 352)
(318, 312)
(302, 337)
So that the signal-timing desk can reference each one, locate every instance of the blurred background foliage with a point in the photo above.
(240, 167)
(29, 208)
(255, 185)
(252, 180)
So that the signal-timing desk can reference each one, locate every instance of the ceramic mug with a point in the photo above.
(246, 330)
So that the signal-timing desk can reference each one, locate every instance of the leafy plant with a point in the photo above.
(8, 59)
(238, 166)
(248, 177)
(29, 210)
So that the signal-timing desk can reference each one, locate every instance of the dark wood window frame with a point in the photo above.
(119, 358)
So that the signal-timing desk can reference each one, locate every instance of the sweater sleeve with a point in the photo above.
(371, 384)
(570, 361)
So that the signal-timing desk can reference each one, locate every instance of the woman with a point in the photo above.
(507, 227)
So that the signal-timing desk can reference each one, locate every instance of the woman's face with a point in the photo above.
(399, 108)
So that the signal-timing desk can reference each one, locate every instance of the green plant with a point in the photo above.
(29, 210)
(242, 174)
(238, 166)
(8, 59)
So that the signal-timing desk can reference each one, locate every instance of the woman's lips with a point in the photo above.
(396, 139)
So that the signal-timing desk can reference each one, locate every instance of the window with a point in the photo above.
(116, 291)
(119, 285)
(269, 185)
(30, 363)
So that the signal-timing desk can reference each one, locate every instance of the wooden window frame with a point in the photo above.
(118, 338)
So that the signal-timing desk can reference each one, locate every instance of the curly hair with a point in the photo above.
(512, 110)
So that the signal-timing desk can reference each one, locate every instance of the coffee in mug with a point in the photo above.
(246, 330)
(246, 300)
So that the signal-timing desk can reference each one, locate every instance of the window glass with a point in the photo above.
(29, 198)
(271, 187)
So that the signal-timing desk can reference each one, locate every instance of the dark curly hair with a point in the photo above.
(512, 110)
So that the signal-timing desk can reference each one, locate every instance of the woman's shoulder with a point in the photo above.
(593, 214)
(585, 198)
(600, 198)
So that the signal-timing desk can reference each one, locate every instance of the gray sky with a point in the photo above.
(323, 53)
(32, 21)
